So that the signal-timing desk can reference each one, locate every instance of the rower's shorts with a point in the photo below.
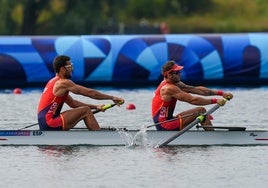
(56, 123)
(175, 125)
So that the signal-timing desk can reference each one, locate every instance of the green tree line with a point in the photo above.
(76, 17)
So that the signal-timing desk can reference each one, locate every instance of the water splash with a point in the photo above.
(139, 139)
(127, 138)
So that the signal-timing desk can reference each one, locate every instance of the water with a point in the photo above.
(101, 167)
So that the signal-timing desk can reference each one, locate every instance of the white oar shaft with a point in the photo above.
(196, 121)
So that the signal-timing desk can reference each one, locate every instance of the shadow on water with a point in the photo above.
(58, 151)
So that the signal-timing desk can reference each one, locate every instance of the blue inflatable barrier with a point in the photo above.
(136, 60)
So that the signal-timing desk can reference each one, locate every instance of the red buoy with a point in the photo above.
(131, 107)
(17, 91)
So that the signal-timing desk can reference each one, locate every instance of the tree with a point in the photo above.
(31, 12)
(7, 24)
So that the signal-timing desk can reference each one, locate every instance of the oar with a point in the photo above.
(105, 107)
(199, 119)
(169, 120)
(28, 126)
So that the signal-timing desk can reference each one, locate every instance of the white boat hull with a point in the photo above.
(115, 138)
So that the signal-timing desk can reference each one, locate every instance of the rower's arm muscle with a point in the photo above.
(81, 90)
(186, 97)
(199, 90)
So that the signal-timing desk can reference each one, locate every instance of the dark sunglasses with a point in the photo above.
(175, 72)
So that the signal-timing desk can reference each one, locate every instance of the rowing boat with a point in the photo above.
(122, 137)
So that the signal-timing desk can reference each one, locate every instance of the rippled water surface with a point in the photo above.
(81, 166)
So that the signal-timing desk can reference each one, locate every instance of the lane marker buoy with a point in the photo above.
(130, 107)
(17, 91)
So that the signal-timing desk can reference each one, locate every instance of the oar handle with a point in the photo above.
(106, 106)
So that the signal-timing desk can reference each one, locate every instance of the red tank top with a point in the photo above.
(50, 105)
(162, 110)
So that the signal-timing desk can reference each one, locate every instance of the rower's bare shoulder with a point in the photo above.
(62, 85)
(65, 83)
(170, 89)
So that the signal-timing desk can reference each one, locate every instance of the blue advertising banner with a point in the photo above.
(136, 60)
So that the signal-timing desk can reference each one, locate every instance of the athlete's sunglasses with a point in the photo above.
(175, 72)
(70, 66)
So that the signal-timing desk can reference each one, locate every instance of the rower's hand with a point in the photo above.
(227, 96)
(118, 101)
(101, 107)
(221, 102)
